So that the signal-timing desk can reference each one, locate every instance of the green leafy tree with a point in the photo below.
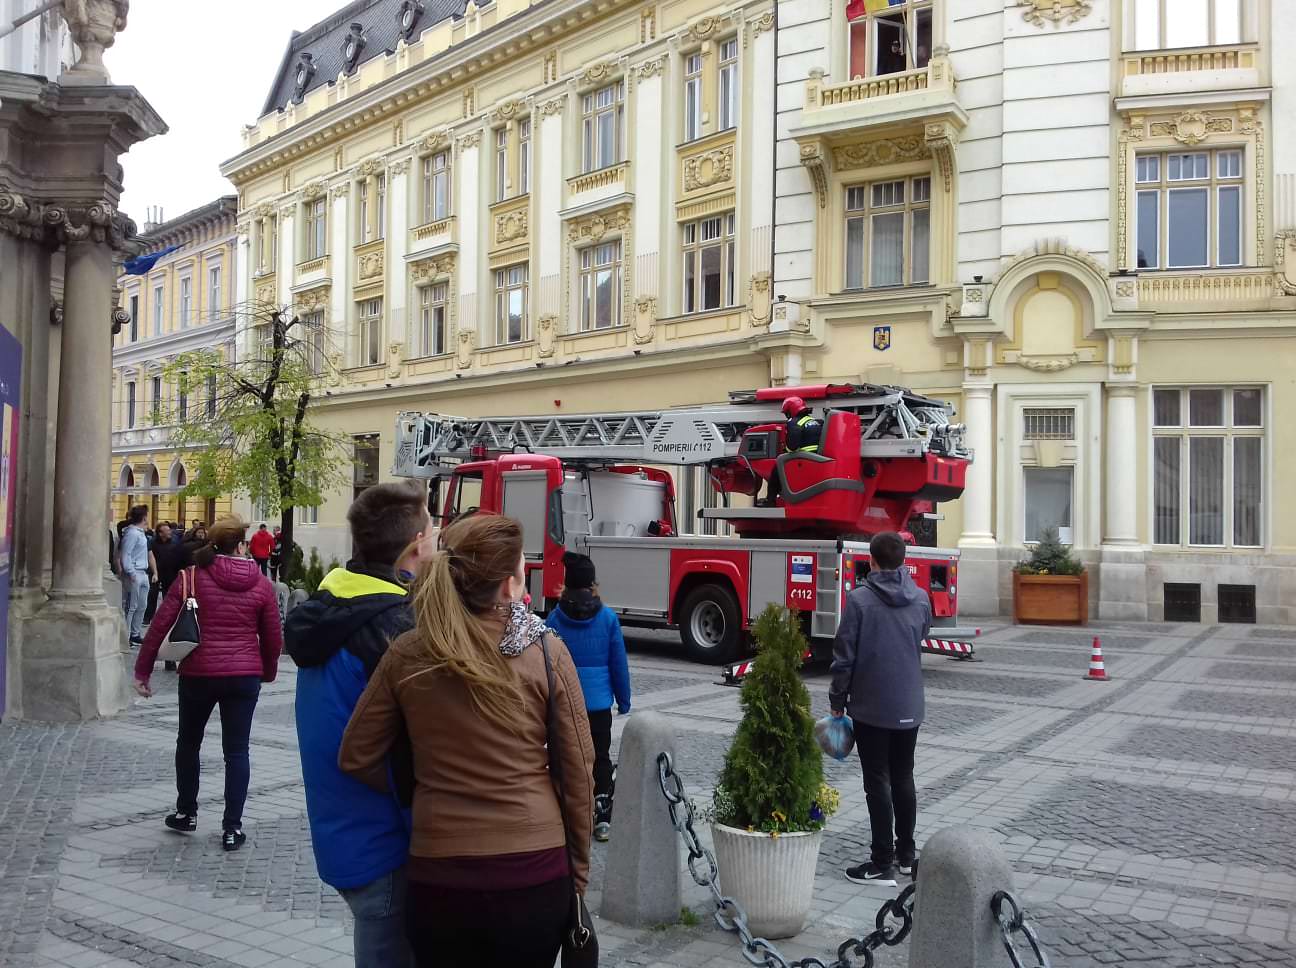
(1050, 557)
(246, 421)
(773, 773)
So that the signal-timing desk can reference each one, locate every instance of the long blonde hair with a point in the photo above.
(454, 603)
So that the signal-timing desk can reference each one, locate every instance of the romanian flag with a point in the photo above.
(858, 8)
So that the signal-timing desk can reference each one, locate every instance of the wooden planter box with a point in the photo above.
(1051, 599)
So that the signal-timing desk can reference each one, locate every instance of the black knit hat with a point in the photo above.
(580, 571)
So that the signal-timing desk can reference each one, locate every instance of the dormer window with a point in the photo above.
(305, 71)
(352, 47)
(411, 12)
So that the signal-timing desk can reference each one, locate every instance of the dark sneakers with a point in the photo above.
(233, 839)
(907, 865)
(183, 822)
(870, 873)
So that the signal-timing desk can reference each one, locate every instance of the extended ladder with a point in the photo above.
(895, 422)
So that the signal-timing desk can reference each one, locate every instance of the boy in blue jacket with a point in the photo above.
(592, 633)
(360, 837)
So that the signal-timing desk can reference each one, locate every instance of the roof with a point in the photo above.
(380, 20)
(179, 230)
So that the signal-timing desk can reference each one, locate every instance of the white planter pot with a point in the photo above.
(771, 877)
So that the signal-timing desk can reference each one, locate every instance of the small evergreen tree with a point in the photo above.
(294, 571)
(772, 779)
(1050, 557)
(314, 572)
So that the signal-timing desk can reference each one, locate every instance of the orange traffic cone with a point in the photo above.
(1097, 671)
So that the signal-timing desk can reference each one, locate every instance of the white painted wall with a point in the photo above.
(760, 144)
(470, 215)
(548, 178)
(1282, 126)
(397, 245)
(287, 258)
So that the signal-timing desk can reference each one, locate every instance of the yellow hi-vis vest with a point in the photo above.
(801, 422)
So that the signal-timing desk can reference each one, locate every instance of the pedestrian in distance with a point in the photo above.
(261, 545)
(592, 634)
(276, 555)
(194, 541)
(135, 570)
(877, 680)
(495, 850)
(337, 638)
(240, 643)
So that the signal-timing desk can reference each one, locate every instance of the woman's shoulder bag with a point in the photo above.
(185, 634)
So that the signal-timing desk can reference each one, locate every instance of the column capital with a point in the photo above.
(56, 223)
(978, 389)
(1121, 389)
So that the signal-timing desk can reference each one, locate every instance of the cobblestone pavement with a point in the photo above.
(1149, 819)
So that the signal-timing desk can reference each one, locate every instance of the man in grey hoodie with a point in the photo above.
(877, 679)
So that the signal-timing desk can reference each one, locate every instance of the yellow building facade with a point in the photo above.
(518, 208)
(184, 303)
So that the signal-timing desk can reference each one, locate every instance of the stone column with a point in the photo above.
(978, 587)
(1122, 574)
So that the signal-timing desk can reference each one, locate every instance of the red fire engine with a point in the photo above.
(596, 484)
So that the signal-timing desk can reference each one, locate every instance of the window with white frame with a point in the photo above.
(436, 187)
(511, 304)
(380, 201)
(728, 84)
(602, 131)
(310, 513)
(314, 338)
(1046, 501)
(524, 155)
(368, 351)
(1189, 209)
(213, 292)
(1168, 24)
(888, 233)
(316, 229)
(433, 303)
(267, 244)
(501, 164)
(709, 268)
(889, 36)
(134, 316)
(600, 285)
(159, 308)
(693, 96)
(371, 211)
(186, 300)
(1208, 466)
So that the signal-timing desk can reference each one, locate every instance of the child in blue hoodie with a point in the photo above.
(593, 636)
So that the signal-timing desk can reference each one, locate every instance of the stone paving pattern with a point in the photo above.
(1149, 819)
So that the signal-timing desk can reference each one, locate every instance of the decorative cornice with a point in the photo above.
(594, 227)
(426, 270)
(55, 224)
(886, 151)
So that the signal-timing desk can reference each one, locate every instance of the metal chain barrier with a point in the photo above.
(891, 926)
(1015, 923)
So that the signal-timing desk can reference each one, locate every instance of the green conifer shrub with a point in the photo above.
(1050, 557)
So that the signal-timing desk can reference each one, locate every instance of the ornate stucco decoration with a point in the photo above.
(426, 270)
(370, 265)
(433, 141)
(812, 157)
(468, 102)
(940, 136)
(546, 333)
(508, 111)
(94, 26)
(1038, 12)
(264, 210)
(647, 25)
(310, 300)
(758, 298)
(314, 190)
(1285, 263)
(340, 190)
(21, 217)
(597, 72)
(394, 351)
(466, 346)
(266, 294)
(594, 227)
(471, 140)
(369, 167)
(399, 167)
(511, 226)
(887, 151)
(1192, 127)
(758, 26)
(551, 67)
(1049, 364)
(709, 168)
(550, 108)
(651, 68)
(645, 318)
(701, 29)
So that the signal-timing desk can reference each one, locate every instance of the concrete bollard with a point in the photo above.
(960, 870)
(641, 885)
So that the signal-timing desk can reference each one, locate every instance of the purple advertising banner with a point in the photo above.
(10, 374)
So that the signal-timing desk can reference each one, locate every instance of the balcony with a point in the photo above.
(1190, 70)
(312, 269)
(926, 95)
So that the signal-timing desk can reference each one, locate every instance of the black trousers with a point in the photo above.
(887, 757)
(520, 928)
(237, 698)
(601, 733)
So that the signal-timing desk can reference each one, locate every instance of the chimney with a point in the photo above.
(152, 218)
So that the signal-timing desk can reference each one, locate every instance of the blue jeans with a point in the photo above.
(379, 911)
(237, 698)
(137, 585)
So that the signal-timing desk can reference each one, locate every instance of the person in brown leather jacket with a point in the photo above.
(491, 866)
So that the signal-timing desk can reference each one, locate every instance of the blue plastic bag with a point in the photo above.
(835, 736)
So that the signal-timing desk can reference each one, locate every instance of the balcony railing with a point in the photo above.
(1190, 69)
(865, 89)
(910, 97)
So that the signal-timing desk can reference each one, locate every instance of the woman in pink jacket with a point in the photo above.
(240, 643)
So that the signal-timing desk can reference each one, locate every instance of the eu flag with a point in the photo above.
(142, 265)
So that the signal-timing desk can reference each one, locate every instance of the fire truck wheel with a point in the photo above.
(710, 624)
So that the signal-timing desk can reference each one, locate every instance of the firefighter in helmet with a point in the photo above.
(803, 430)
(802, 437)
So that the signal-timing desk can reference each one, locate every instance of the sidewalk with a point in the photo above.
(1150, 819)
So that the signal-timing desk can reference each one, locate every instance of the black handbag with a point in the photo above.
(580, 944)
(185, 635)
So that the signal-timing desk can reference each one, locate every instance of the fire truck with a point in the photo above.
(598, 484)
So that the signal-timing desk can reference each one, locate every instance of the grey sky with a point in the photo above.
(206, 68)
